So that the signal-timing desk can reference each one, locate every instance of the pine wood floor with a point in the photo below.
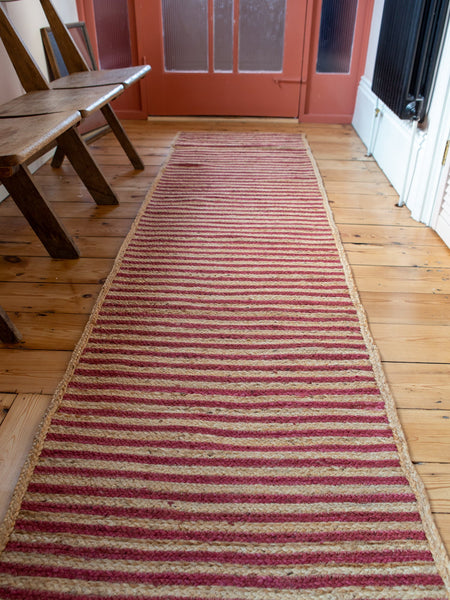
(401, 268)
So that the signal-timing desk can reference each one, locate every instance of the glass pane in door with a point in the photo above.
(113, 33)
(185, 32)
(223, 35)
(261, 35)
(337, 28)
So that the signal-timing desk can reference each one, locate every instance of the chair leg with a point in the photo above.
(39, 214)
(58, 158)
(122, 137)
(9, 334)
(84, 164)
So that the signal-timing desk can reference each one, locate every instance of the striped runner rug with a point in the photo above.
(224, 430)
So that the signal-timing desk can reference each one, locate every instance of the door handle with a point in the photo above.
(288, 80)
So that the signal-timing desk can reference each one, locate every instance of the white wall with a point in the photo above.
(10, 84)
(374, 33)
(410, 158)
(27, 16)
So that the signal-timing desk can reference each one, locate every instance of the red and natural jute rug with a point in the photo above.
(225, 431)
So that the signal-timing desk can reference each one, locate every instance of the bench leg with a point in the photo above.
(58, 158)
(122, 137)
(39, 214)
(9, 334)
(84, 164)
(88, 137)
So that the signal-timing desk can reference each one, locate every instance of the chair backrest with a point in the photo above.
(29, 73)
(70, 53)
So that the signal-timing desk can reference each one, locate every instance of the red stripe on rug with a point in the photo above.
(296, 536)
(382, 556)
(170, 578)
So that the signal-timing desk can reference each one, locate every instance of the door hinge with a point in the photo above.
(444, 158)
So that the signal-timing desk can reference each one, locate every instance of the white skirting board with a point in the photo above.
(443, 228)
(441, 220)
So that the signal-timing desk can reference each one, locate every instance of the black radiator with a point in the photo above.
(408, 49)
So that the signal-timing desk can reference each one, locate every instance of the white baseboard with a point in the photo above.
(443, 230)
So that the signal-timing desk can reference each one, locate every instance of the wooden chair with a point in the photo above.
(41, 100)
(32, 78)
(79, 61)
(81, 74)
(26, 137)
(94, 126)
(76, 43)
(9, 334)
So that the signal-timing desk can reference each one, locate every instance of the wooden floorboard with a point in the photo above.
(401, 268)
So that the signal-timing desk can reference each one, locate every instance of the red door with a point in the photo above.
(222, 57)
(334, 60)
(276, 58)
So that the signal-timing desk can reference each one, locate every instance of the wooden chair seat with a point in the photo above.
(41, 102)
(24, 138)
(125, 76)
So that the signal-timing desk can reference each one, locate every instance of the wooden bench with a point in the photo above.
(23, 138)
(80, 73)
(37, 121)
(80, 68)
(41, 100)
(80, 81)
(45, 103)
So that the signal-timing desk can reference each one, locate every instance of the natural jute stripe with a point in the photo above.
(224, 430)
